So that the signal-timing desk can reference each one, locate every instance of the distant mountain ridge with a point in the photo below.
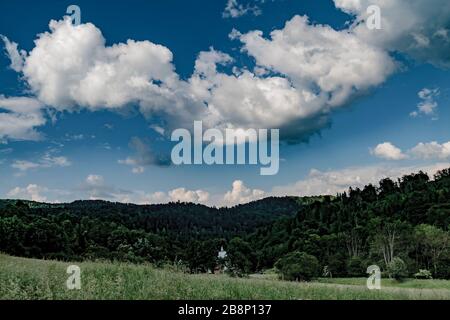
(175, 216)
(78, 203)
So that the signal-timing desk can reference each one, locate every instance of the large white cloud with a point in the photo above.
(303, 71)
(71, 65)
(315, 69)
(317, 58)
(415, 27)
(246, 100)
(309, 71)
(321, 69)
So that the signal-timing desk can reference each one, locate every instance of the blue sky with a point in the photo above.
(72, 142)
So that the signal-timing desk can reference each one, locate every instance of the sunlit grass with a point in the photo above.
(36, 279)
(407, 283)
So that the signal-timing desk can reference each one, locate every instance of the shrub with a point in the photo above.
(240, 258)
(423, 274)
(397, 269)
(298, 266)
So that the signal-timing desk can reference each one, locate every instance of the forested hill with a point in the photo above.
(156, 233)
(401, 225)
(172, 218)
(398, 225)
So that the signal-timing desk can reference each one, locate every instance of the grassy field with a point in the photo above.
(36, 279)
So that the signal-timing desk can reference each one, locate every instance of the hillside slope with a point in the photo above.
(36, 279)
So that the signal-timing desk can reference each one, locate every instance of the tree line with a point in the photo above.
(176, 233)
(401, 226)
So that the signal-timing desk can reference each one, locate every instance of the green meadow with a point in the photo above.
(25, 279)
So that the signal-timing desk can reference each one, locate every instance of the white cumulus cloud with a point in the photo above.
(303, 71)
(31, 192)
(315, 69)
(417, 28)
(183, 195)
(388, 151)
(240, 194)
(432, 150)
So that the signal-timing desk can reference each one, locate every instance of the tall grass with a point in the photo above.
(36, 279)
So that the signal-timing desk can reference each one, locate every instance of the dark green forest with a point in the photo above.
(402, 226)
